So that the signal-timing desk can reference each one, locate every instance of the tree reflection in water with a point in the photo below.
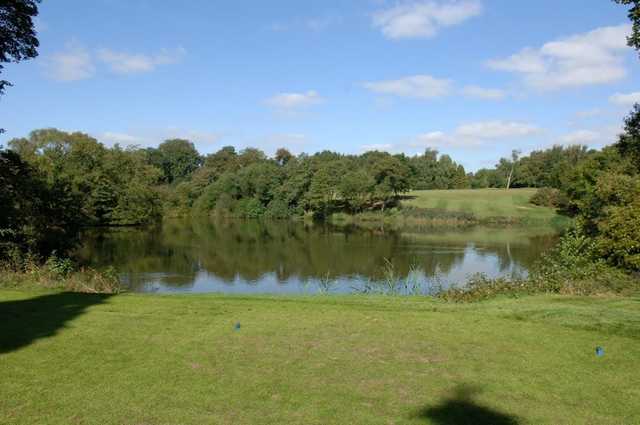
(281, 256)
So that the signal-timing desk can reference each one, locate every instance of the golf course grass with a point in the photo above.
(212, 359)
(482, 203)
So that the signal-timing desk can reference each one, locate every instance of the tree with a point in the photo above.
(250, 156)
(355, 188)
(177, 158)
(298, 175)
(391, 172)
(460, 180)
(424, 169)
(18, 39)
(481, 179)
(634, 16)
(629, 141)
(283, 156)
(36, 217)
(514, 160)
(113, 186)
(323, 189)
(226, 159)
(259, 180)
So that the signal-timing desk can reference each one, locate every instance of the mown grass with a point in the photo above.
(482, 203)
(146, 359)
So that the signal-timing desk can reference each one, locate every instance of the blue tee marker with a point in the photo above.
(237, 326)
(599, 351)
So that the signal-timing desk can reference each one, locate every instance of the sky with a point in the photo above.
(474, 79)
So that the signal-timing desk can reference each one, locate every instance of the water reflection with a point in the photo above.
(206, 255)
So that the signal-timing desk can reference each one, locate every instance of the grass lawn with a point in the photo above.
(149, 359)
(483, 203)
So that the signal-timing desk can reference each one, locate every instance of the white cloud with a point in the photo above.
(528, 61)
(286, 139)
(198, 137)
(416, 86)
(476, 134)
(625, 99)
(595, 57)
(432, 139)
(382, 147)
(291, 101)
(580, 137)
(153, 137)
(496, 130)
(483, 93)
(72, 64)
(76, 62)
(590, 113)
(316, 24)
(423, 19)
(124, 139)
(126, 63)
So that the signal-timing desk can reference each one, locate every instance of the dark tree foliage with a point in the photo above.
(283, 156)
(114, 186)
(544, 168)
(634, 17)
(604, 189)
(177, 158)
(629, 141)
(250, 183)
(432, 172)
(17, 36)
(37, 216)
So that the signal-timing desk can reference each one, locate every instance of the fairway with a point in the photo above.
(148, 359)
(483, 203)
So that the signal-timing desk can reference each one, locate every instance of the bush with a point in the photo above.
(57, 273)
(619, 236)
(250, 208)
(480, 287)
(573, 267)
(278, 209)
(59, 266)
(548, 197)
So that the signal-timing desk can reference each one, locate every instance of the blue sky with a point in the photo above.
(471, 78)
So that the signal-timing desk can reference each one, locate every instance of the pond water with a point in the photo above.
(208, 255)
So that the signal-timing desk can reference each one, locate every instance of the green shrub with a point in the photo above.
(59, 266)
(573, 267)
(57, 273)
(278, 209)
(249, 208)
(548, 197)
(619, 236)
(480, 287)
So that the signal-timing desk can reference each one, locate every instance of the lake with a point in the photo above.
(278, 257)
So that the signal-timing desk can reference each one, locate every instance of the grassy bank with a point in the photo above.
(460, 208)
(482, 203)
(135, 359)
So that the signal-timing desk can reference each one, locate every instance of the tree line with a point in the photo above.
(52, 183)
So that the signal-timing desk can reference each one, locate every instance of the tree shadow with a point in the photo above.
(22, 322)
(462, 410)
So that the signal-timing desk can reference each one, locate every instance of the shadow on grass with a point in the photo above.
(22, 322)
(462, 410)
